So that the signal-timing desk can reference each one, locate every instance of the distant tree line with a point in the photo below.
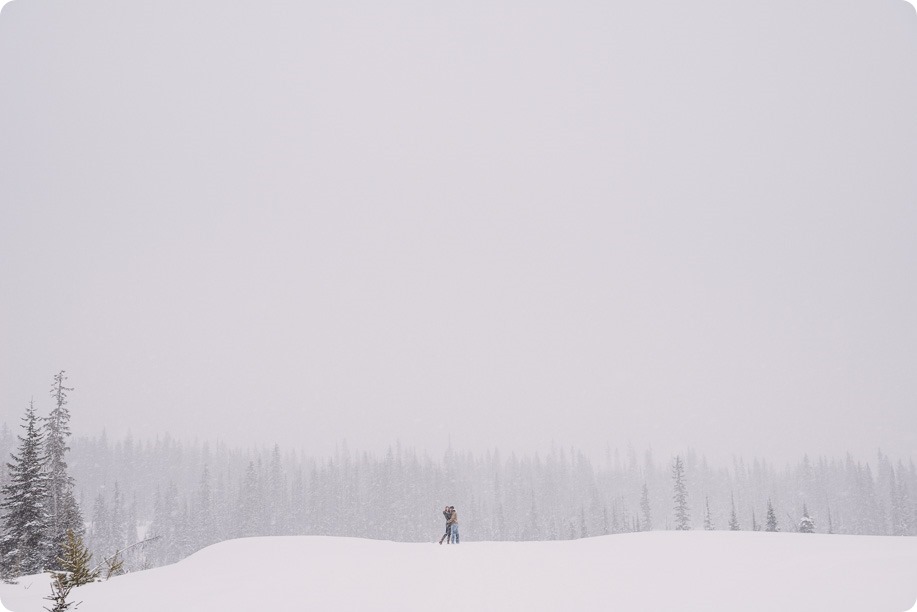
(176, 497)
(193, 494)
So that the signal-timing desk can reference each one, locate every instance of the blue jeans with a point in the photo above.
(455, 534)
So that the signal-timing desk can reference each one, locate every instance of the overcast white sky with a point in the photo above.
(670, 223)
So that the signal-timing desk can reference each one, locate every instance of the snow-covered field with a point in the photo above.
(732, 571)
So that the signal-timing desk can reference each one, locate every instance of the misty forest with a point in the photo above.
(628, 285)
(141, 503)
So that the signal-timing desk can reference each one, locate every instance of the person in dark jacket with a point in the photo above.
(447, 513)
(452, 525)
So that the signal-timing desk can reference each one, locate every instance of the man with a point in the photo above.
(452, 525)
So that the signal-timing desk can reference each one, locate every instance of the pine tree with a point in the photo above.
(733, 519)
(101, 538)
(158, 527)
(905, 518)
(682, 515)
(204, 532)
(771, 518)
(894, 509)
(171, 523)
(248, 503)
(76, 561)
(708, 520)
(130, 525)
(114, 565)
(806, 523)
(25, 545)
(60, 590)
(118, 525)
(645, 508)
(277, 518)
(64, 511)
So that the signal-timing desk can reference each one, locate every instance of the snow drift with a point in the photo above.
(642, 571)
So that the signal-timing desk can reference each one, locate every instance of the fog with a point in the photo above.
(667, 224)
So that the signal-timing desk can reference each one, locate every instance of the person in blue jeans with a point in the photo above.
(447, 514)
(453, 526)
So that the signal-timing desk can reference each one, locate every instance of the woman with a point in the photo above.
(448, 535)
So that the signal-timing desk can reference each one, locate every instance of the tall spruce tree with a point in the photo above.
(682, 515)
(276, 503)
(117, 529)
(733, 519)
(645, 508)
(204, 528)
(248, 503)
(771, 518)
(101, 538)
(906, 519)
(64, 511)
(25, 545)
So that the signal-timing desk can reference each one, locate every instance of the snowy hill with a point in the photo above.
(643, 571)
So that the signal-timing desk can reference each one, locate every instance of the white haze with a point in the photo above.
(676, 223)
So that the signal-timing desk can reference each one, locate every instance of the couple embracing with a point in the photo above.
(452, 529)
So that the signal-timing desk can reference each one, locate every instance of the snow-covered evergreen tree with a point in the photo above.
(76, 561)
(277, 515)
(806, 523)
(7, 446)
(682, 514)
(117, 529)
(157, 529)
(60, 591)
(645, 509)
(64, 511)
(204, 529)
(733, 519)
(771, 518)
(906, 511)
(249, 503)
(26, 545)
(101, 538)
(172, 519)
